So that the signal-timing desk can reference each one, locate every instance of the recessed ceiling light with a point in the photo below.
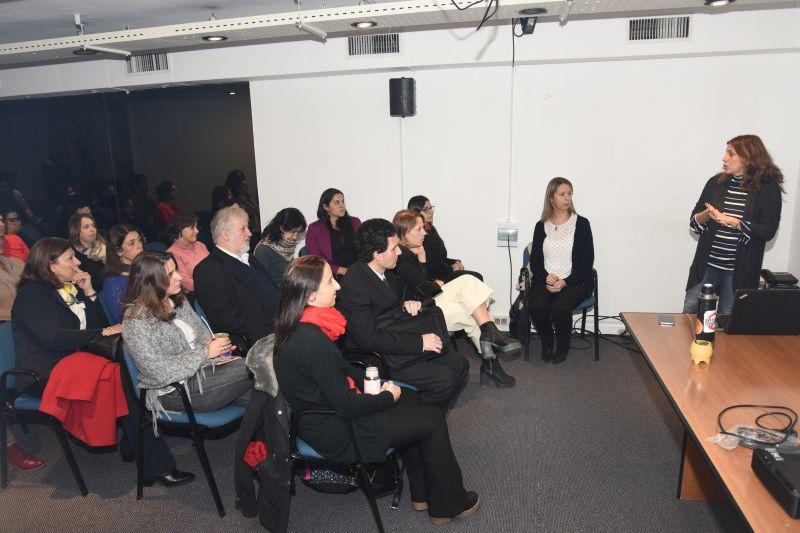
(232, 93)
(719, 3)
(532, 11)
(214, 38)
(364, 24)
(84, 52)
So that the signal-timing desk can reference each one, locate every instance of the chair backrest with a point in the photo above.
(303, 251)
(199, 310)
(526, 255)
(133, 371)
(156, 246)
(105, 308)
(8, 352)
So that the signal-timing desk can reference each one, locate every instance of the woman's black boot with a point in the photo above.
(547, 352)
(498, 340)
(492, 372)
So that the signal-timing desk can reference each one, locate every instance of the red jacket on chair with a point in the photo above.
(85, 393)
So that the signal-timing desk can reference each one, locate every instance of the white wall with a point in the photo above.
(639, 138)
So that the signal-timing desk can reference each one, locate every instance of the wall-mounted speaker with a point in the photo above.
(402, 97)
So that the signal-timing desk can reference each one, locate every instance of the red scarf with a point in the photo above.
(328, 319)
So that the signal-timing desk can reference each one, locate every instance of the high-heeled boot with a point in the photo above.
(491, 337)
(492, 372)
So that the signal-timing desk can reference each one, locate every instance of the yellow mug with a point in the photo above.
(701, 352)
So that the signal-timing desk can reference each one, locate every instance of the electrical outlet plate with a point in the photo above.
(507, 234)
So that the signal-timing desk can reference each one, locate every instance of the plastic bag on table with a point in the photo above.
(754, 437)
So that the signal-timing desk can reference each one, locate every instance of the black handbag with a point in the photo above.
(104, 346)
(430, 319)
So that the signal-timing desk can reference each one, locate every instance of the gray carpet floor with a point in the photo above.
(581, 446)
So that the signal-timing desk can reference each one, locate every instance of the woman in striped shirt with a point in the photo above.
(737, 213)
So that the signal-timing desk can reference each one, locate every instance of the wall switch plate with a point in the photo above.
(507, 233)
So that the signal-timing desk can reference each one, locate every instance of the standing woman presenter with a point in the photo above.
(737, 213)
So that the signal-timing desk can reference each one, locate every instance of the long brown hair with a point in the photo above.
(759, 167)
(303, 277)
(116, 236)
(405, 220)
(147, 287)
(555, 183)
(98, 250)
(37, 266)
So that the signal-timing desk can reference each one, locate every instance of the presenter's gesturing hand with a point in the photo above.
(412, 307)
(720, 218)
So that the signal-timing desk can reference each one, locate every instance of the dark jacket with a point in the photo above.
(91, 267)
(368, 304)
(46, 330)
(417, 283)
(582, 254)
(229, 299)
(762, 211)
(267, 420)
(312, 374)
(439, 265)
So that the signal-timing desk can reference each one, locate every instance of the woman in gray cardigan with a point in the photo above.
(169, 342)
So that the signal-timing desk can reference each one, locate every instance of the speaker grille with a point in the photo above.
(148, 63)
(648, 29)
(383, 43)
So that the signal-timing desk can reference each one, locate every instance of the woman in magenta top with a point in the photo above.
(186, 249)
(332, 236)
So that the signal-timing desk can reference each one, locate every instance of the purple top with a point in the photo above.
(318, 240)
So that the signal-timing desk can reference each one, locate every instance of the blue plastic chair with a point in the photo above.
(591, 302)
(199, 310)
(199, 426)
(19, 406)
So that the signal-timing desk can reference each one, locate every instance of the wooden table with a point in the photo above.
(745, 369)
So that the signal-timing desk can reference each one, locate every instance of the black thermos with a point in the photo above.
(706, 321)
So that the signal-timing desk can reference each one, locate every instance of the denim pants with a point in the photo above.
(722, 280)
(222, 385)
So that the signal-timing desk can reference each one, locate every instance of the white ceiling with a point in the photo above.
(34, 31)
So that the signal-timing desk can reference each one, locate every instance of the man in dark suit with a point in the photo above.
(233, 287)
(369, 298)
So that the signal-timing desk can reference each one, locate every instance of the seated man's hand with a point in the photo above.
(412, 307)
(431, 343)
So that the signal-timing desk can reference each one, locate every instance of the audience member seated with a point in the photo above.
(105, 205)
(332, 235)
(126, 213)
(89, 246)
(15, 225)
(169, 343)
(55, 314)
(463, 301)
(167, 206)
(125, 243)
(233, 287)
(182, 232)
(12, 197)
(369, 300)
(279, 240)
(439, 265)
(12, 245)
(562, 255)
(312, 375)
(143, 205)
(240, 190)
(220, 197)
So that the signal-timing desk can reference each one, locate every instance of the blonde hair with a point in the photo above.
(555, 183)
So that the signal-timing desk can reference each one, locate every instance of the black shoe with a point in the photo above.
(559, 358)
(492, 372)
(547, 354)
(173, 479)
(471, 504)
(497, 339)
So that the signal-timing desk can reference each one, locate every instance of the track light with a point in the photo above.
(718, 3)
(214, 38)
(532, 11)
(364, 24)
(90, 49)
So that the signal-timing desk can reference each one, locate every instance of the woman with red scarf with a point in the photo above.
(313, 375)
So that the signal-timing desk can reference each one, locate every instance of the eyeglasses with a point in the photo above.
(430, 209)
(13, 219)
(294, 233)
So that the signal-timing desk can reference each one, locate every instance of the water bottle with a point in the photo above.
(706, 320)
(372, 381)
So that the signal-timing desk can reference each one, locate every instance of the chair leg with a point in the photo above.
(73, 465)
(366, 486)
(583, 324)
(3, 451)
(596, 334)
(398, 483)
(140, 459)
(212, 484)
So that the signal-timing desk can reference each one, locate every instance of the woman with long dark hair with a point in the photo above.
(737, 214)
(125, 243)
(313, 375)
(279, 240)
(562, 255)
(332, 235)
(169, 342)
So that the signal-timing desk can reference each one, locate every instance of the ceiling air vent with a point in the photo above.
(658, 28)
(148, 63)
(384, 43)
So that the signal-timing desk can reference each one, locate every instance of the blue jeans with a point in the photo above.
(723, 285)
